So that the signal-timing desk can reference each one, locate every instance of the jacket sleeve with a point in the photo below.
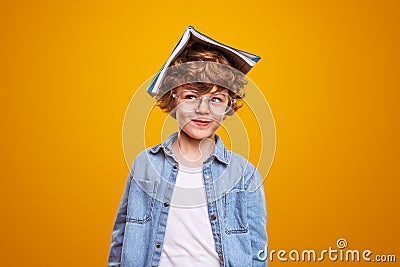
(257, 213)
(118, 231)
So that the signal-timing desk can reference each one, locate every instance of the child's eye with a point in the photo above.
(190, 96)
(217, 99)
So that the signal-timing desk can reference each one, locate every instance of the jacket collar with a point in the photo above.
(220, 152)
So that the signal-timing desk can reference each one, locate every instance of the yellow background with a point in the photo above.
(329, 70)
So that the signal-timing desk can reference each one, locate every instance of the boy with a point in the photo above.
(189, 201)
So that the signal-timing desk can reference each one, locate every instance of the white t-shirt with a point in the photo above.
(188, 236)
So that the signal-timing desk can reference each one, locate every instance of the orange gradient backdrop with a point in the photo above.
(329, 71)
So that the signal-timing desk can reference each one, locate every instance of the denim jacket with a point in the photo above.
(235, 203)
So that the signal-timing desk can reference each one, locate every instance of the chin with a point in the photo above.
(198, 135)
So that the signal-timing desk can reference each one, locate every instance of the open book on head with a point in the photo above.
(241, 60)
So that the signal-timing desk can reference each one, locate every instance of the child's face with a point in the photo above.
(201, 123)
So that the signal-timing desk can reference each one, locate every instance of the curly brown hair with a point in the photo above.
(215, 72)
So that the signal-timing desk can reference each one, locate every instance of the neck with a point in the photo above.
(192, 152)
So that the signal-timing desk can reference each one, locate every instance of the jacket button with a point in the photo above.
(207, 176)
(221, 258)
(175, 166)
(166, 204)
(158, 245)
(213, 217)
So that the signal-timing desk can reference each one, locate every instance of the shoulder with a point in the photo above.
(147, 156)
(251, 176)
(240, 161)
(155, 155)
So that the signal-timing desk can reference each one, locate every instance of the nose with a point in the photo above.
(203, 107)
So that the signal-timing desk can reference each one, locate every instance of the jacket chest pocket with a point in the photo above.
(141, 200)
(235, 212)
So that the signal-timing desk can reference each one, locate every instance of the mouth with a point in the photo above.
(202, 122)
